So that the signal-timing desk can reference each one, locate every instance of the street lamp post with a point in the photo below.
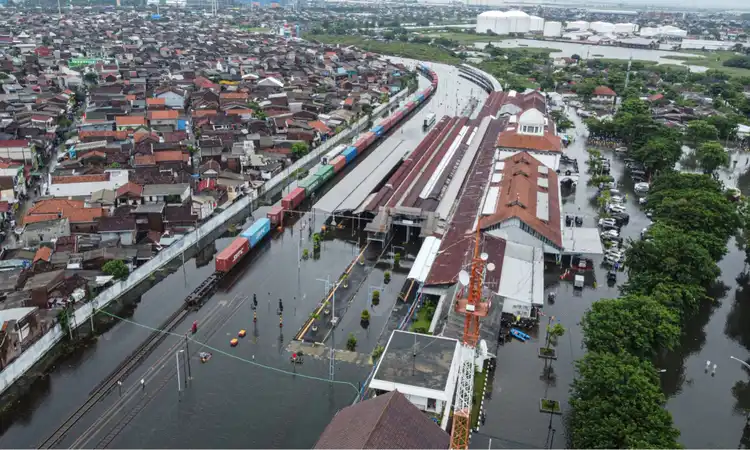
(740, 361)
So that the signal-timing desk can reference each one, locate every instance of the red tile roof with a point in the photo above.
(144, 160)
(170, 156)
(96, 178)
(156, 101)
(131, 189)
(168, 114)
(604, 90)
(52, 209)
(14, 143)
(130, 121)
(118, 135)
(43, 254)
(519, 189)
(320, 126)
(511, 138)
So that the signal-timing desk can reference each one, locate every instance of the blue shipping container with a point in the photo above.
(420, 97)
(349, 153)
(257, 231)
(378, 130)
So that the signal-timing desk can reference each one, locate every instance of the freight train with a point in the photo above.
(332, 163)
(337, 159)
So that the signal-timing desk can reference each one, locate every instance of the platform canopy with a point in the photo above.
(425, 258)
(580, 240)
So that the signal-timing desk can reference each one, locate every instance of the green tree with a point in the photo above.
(726, 126)
(300, 149)
(585, 89)
(116, 268)
(700, 131)
(637, 325)
(711, 155)
(669, 257)
(616, 402)
(91, 77)
(351, 342)
(658, 154)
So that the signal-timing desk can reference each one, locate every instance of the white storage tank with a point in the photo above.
(518, 21)
(602, 27)
(552, 29)
(625, 28)
(494, 21)
(649, 31)
(581, 25)
(536, 24)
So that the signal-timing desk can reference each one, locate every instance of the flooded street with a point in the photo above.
(708, 410)
(246, 396)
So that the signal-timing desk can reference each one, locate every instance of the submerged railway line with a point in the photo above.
(226, 260)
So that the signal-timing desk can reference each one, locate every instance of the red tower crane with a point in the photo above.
(473, 308)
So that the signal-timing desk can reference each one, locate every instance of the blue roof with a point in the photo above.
(341, 71)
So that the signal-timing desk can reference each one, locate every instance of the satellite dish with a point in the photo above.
(463, 277)
(484, 256)
(490, 267)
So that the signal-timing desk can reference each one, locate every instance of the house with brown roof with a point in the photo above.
(77, 185)
(81, 219)
(129, 194)
(386, 421)
(129, 122)
(167, 117)
(603, 94)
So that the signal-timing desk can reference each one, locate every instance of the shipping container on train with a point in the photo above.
(293, 199)
(325, 173)
(276, 214)
(338, 163)
(310, 184)
(232, 254)
(257, 231)
(350, 153)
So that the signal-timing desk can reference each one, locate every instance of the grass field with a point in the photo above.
(423, 320)
(711, 60)
(422, 52)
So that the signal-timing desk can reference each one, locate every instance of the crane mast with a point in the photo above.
(473, 308)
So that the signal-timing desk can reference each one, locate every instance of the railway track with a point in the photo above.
(125, 368)
(211, 324)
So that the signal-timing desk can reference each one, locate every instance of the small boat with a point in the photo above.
(520, 335)
(242, 333)
(204, 356)
(234, 342)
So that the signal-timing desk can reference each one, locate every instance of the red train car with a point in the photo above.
(230, 256)
(275, 215)
(293, 199)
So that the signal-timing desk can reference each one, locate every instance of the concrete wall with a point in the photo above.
(36, 352)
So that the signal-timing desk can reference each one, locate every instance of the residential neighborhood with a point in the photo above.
(119, 133)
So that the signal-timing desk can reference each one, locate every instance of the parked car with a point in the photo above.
(621, 150)
(641, 188)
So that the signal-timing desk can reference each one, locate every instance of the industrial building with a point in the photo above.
(552, 29)
(667, 31)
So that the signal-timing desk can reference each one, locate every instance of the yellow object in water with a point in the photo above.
(234, 342)
(242, 333)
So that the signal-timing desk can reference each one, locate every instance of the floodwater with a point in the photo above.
(231, 401)
(586, 51)
(709, 410)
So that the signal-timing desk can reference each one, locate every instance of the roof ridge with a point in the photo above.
(380, 417)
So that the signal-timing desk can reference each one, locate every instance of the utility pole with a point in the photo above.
(187, 352)
(331, 289)
(177, 362)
